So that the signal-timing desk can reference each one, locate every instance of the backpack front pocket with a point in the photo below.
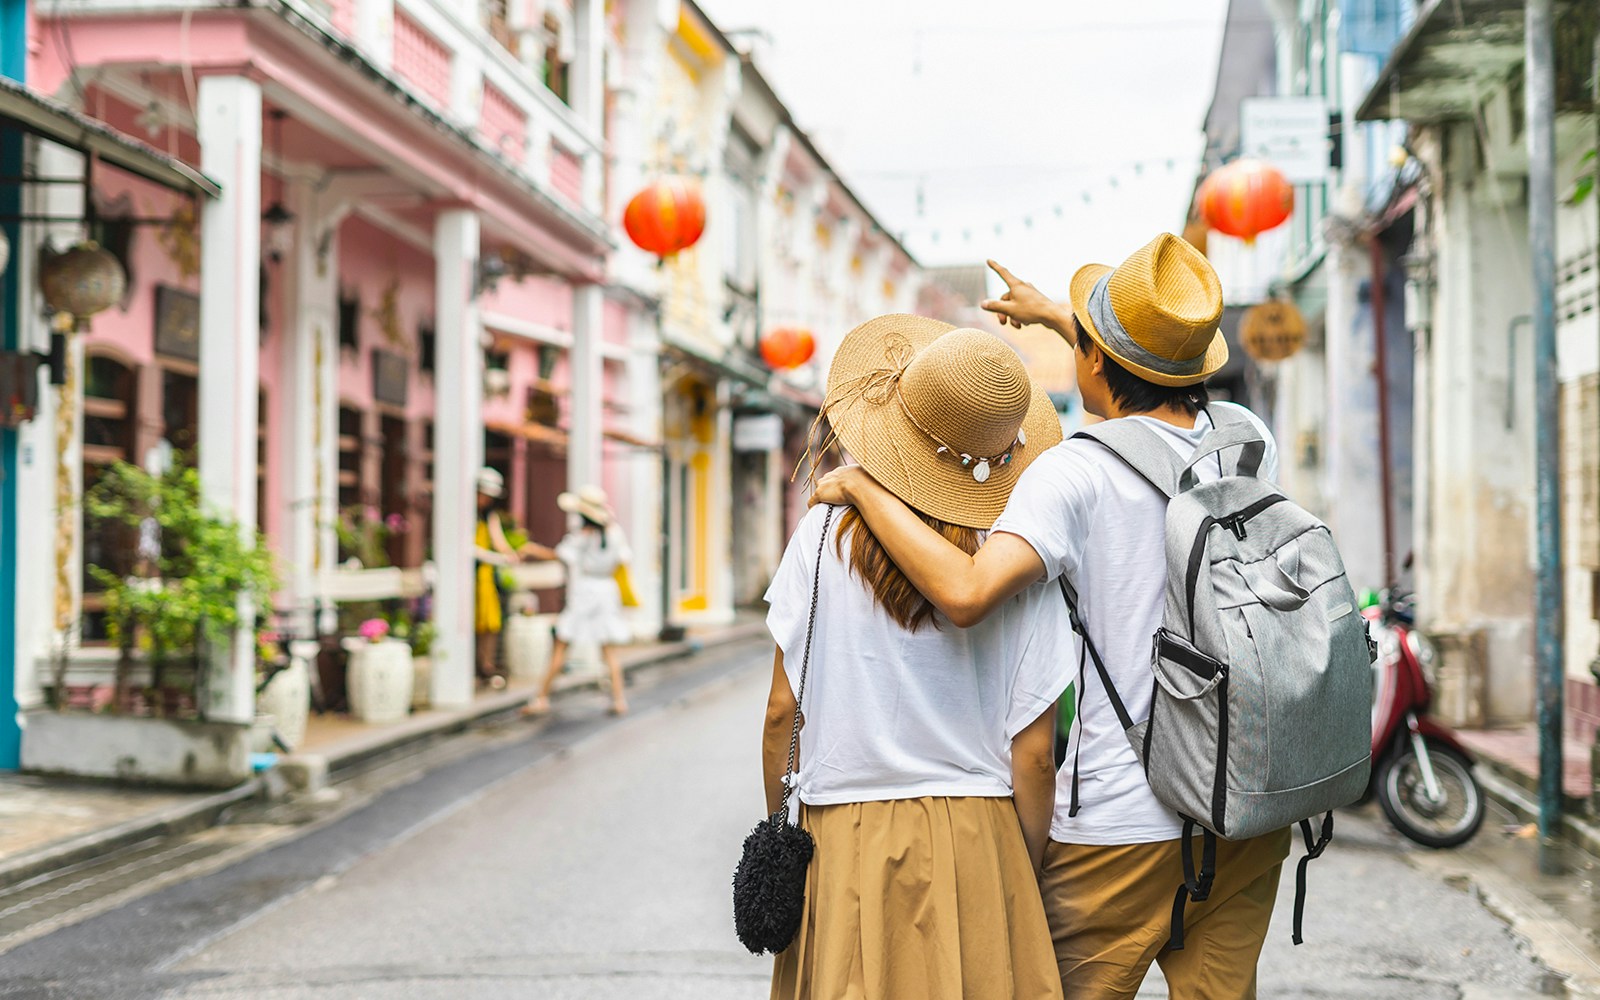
(1188, 764)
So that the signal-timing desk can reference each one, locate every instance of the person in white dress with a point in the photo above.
(592, 551)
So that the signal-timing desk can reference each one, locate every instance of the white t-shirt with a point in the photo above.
(891, 714)
(1090, 516)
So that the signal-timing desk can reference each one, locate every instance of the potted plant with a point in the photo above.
(193, 568)
(380, 676)
(171, 620)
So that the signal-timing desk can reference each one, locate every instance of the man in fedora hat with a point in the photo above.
(1146, 339)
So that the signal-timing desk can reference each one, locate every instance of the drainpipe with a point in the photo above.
(1540, 90)
(13, 65)
(1381, 364)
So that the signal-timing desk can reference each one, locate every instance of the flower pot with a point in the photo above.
(287, 698)
(527, 639)
(380, 680)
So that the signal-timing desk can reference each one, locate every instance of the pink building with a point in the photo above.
(410, 247)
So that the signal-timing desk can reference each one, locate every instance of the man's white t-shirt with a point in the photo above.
(891, 714)
(1090, 516)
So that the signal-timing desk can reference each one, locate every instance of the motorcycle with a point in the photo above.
(1422, 775)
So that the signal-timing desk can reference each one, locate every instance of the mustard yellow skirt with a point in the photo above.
(931, 898)
(487, 616)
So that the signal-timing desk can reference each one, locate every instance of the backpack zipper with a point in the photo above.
(1237, 522)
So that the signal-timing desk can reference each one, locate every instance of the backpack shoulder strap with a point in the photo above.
(1140, 450)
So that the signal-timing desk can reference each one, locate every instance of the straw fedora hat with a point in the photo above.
(491, 483)
(1156, 313)
(945, 418)
(590, 502)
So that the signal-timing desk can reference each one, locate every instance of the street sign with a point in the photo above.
(757, 432)
(1291, 133)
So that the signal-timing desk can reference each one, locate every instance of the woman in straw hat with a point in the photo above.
(593, 551)
(925, 767)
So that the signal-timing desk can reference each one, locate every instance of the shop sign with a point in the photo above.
(177, 323)
(1291, 133)
(389, 377)
(758, 432)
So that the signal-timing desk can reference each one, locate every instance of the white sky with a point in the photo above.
(1000, 110)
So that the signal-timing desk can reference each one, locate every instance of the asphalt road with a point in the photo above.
(590, 858)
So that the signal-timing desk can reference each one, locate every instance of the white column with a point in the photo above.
(458, 452)
(230, 341)
(644, 467)
(588, 386)
(587, 73)
(310, 418)
(375, 30)
(589, 91)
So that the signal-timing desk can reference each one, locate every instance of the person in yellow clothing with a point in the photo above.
(492, 551)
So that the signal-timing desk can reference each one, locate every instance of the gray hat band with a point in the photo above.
(1117, 338)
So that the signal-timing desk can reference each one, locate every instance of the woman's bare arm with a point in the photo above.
(775, 733)
(1033, 782)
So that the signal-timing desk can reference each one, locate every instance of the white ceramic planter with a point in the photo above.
(380, 680)
(527, 639)
(287, 698)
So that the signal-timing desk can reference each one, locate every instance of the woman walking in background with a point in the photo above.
(593, 551)
(926, 774)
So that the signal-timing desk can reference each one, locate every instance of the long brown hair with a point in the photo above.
(893, 592)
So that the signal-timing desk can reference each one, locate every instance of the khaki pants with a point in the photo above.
(1110, 911)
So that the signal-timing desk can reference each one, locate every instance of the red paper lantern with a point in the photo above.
(667, 216)
(788, 347)
(1246, 198)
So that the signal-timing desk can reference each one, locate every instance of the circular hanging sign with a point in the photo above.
(1272, 331)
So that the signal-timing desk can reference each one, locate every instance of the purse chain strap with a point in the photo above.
(805, 663)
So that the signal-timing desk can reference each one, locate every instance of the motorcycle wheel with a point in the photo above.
(1450, 822)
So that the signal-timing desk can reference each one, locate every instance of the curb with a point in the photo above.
(203, 813)
(1509, 792)
(187, 817)
(435, 726)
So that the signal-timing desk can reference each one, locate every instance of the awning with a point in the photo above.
(542, 433)
(56, 122)
(728, 364)
(629, 439)
(1459, 52)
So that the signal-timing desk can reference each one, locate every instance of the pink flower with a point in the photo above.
(374, 629)
(373, 514)
(395, 523)
(267, 636)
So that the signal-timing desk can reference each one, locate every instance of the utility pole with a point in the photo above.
(1540, 90)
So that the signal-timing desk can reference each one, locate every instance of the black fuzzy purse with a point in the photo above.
(769, 886)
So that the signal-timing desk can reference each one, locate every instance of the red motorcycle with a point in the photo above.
(1421, 773)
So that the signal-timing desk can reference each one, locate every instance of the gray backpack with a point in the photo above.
(1261, 716)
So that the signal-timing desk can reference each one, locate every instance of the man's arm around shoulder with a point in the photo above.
(966, 589)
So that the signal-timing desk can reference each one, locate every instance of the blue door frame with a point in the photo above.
(13, 64)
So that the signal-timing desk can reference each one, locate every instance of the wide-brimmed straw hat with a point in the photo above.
(589, 501)
(1156, 313)
(945, 418)
(491, 483)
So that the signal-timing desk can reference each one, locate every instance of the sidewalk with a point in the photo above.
(47, 824)
(1508, 769)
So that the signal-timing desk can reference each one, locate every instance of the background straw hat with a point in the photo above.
(1168, 301)
(589, 501)
(901, 384)
(491, 483)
